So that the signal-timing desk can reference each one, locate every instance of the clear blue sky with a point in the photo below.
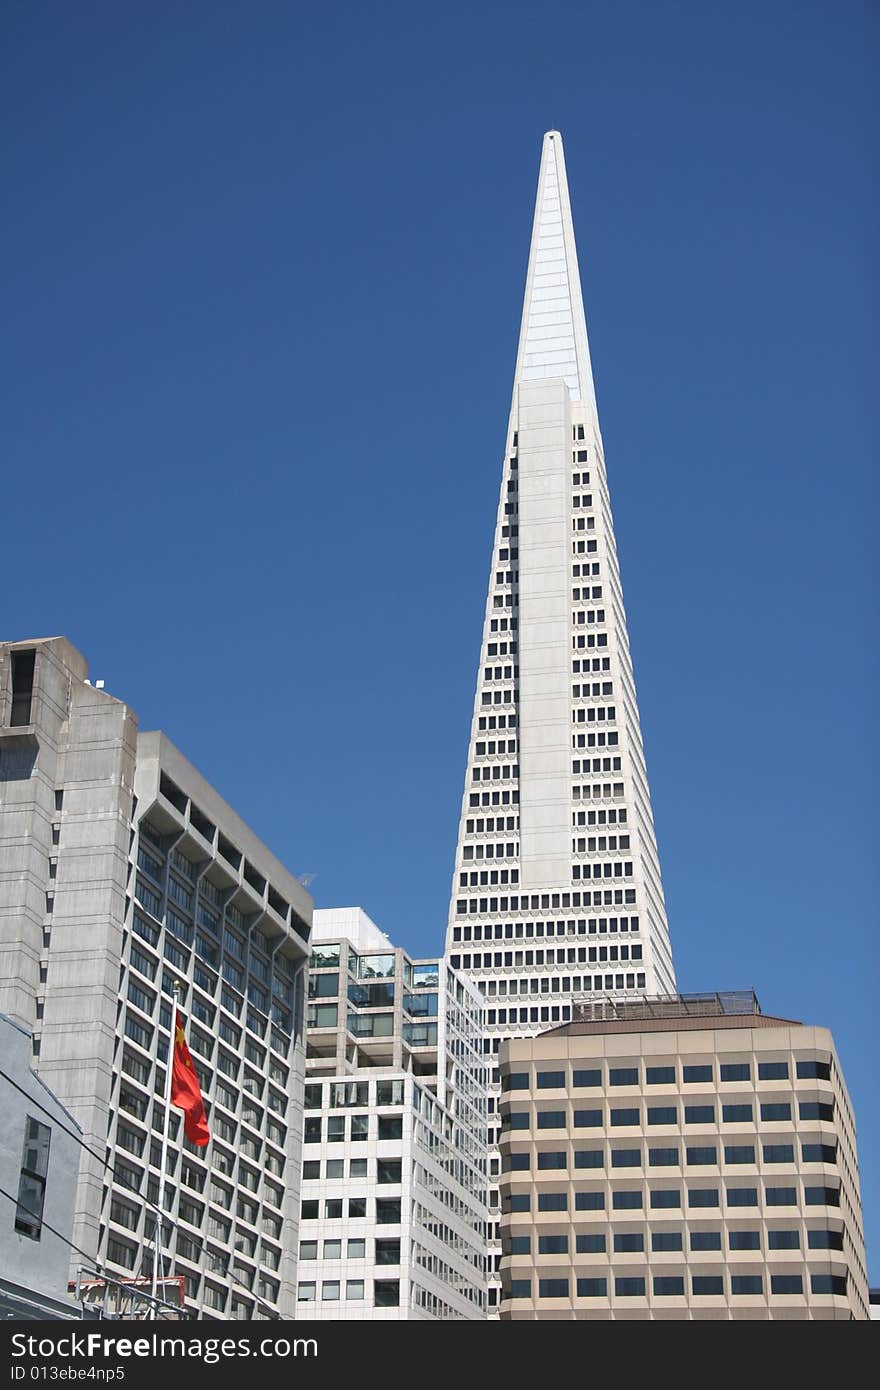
(263, 272)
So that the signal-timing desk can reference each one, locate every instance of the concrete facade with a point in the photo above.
(34, 1252)
(691, 1159)
(124, 871)
(394, 1216)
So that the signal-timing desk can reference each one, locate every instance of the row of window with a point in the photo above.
(673, 1286)
(385, 1252)
(386, 1292)
(387, 1209)
(627, 1242)
(666, 1075)
(632, 1199)
(528, 930)
(337, 1128)
(696, 1156)
(740, 1113)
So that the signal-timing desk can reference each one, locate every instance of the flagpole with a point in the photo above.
(160, 1213)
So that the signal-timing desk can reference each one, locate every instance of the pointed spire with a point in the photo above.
(553, 334)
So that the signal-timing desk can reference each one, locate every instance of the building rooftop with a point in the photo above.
(668, 1013)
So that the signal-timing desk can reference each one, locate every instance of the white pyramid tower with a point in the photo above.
(557, 893)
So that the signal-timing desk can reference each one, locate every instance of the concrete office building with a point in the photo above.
(39, 1164)
(394, 1216)
(122, 872)
(684, 1157)
(557, 890)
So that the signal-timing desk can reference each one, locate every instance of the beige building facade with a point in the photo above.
(686, 1157)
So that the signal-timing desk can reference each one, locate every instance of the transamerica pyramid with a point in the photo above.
(557, 894)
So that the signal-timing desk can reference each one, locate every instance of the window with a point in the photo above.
(552, 1245)
(784, 1240)
(705, 1284)
(386, 1292)
(551, 1119)
(825, 1240)
(552, 1201)
(332, 1249)
(629, 1287)
(356, 1249)
(333, 1209)
(517, 1081)
(518, 1201)
(308, 1249)
(623, 1076)
(306, 1293)
(592, 1288)
(588, 1201)
(550, 1080)
(736, 1114)
(741, 1153)
(626, 1201)
(587, 1119)
(662, 1115)
(357, 1207)
(780, 1196)
(819, 1153)
(587, 1078)
(626, 1158)
(553, 1288)
(815, 1110)
(387, 1252)
(736, 1071)
(699, 1114)
(588, 1158)
(590, 1245)
(776, 1110)
(516, 1163)
(779, 1153)
(553, 1159)
(665, 1197)
(821, 1197)
(746, 1283)
(354, 1290)
(703, 1197)
(702, 1154)
(694, 1073)
(388, 1170)
(786, 1283)
(828, 1283)
(813, 1071)
(387, 1212)
(772, 1071)
(520, 1288)
(34, 1168)
(627, 1241)
(660, 1076)
(666, 1240)
(390, 1127)
(705, 1240)
(625, 1117)
(519, 1245)
(742, 1196)
(745, 1240)
(668, 1285)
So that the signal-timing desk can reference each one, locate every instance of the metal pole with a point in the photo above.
(160, 1213)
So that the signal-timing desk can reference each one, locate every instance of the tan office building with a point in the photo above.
(684, 1157)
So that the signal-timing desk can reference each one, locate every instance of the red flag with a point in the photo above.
(186, 1093)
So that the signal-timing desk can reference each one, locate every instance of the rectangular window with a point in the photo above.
(703, 1197)
(623, 1076)
(587, 1201)
(746, 1283)
(552, 1201)
(629, 1287)
(784, 1240)
(627, 1241)
(736, 1114)
(585, 1078)
(660, 1076)
(694, 1073)
(745, 1240)
(626, 1201)
(780, 1196)
(587, 1119)
(550, 1080)
(736, 1071)
(589, 1158)
(705, 1284)
(779, 1153)
(662, 1115)
(699, 1114)
(666, 1240)
(776, 1110)
(552, 1245)
(705, 1240)
(772, 1071)
(786, 1283)
(813, 1071)
(740, 1153)
(668, 1285)
(590, 1245)
(592, 1288)
(32, 1178)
